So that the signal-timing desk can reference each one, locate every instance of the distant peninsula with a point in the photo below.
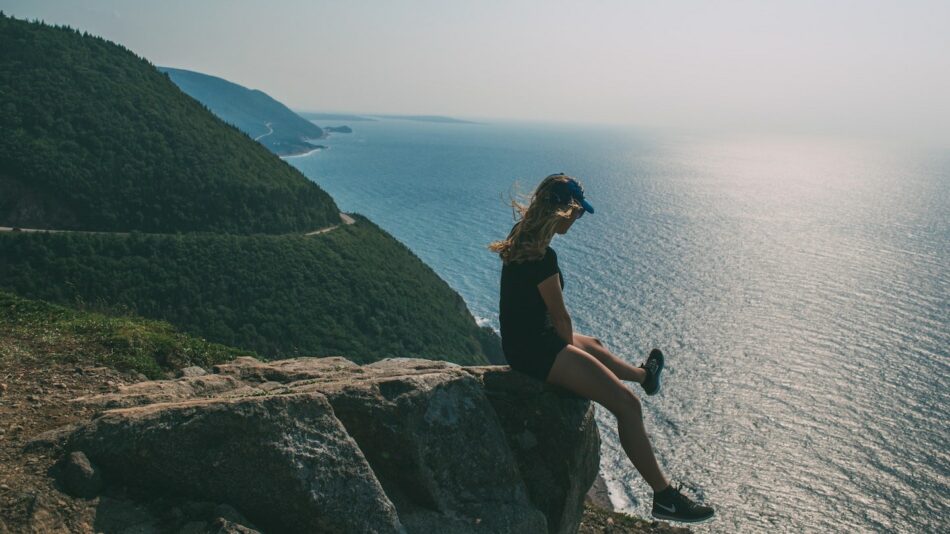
(426, 118)
(318, 116)
(254, 112)
(315, 116)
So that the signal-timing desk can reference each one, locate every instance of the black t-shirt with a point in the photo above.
(522, 313)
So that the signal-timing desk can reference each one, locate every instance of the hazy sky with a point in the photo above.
(851, 65)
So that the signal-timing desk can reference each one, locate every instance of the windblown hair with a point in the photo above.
(532, 233)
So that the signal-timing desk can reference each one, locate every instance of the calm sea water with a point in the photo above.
(799, 287)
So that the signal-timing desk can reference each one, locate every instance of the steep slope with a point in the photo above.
(93, 137)
(39, 333)
(353, 291)
(254, 112)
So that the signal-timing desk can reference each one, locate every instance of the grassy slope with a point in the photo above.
(53, 334)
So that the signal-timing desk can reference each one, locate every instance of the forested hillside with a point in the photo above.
(253, 111)
(353, 292)
(93, 137)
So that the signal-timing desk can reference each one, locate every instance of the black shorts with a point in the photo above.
(534, 356)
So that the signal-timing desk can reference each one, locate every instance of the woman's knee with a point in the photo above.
(623, 403)
(585, 375)
(630, 405)
(585, 342)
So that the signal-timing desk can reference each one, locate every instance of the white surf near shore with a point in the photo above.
(302, 154)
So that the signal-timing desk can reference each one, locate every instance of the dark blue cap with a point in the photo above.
(562, 192)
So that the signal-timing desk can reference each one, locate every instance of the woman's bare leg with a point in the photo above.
(596, 348)
(583, 374)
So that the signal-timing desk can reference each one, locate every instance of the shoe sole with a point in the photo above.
(681, 520)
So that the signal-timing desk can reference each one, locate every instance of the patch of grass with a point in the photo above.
(597, 520)
(39, 330)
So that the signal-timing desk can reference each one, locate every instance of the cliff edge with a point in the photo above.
(326, 445)
(306, 445)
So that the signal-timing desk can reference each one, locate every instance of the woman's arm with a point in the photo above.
(550, 289)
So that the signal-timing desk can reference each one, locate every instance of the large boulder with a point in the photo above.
(275, 458)
(555, 440)
(326, 445)
(437, 447)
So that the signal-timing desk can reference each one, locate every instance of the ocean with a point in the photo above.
(799, 287)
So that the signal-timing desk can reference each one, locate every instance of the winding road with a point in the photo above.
(343, 217)
(259, 137)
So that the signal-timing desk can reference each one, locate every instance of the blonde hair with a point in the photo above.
(531, 234)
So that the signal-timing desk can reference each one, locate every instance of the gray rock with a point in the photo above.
(223, 526)
(598, 494)
(51, 439)
(194, 527)
(80, 477)
(326, 445)
(124, 516)
(564, 461)
(294, 369)
(192, 371)
(44, 516)
(284, 461)
(142, 528)
(155, 391)
(436, 446)
(228, 513)
(218, 526)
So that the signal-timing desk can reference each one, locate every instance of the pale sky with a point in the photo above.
(784, 65)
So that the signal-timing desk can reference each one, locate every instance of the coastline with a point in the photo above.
(301, 154)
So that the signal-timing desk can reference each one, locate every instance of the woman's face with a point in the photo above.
(565, 224)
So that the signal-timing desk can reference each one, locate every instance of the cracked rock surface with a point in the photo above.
(326, 445)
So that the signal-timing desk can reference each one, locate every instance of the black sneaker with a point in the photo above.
(672, 505)
(653, 366)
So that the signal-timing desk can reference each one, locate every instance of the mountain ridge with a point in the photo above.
(93, 137)
(202, 218)
(253, 111)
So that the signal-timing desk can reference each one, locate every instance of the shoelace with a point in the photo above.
(651, 366)
(683, 498)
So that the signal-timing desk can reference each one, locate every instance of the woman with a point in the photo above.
(538, 337)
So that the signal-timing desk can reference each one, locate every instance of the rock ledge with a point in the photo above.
(326, 445)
